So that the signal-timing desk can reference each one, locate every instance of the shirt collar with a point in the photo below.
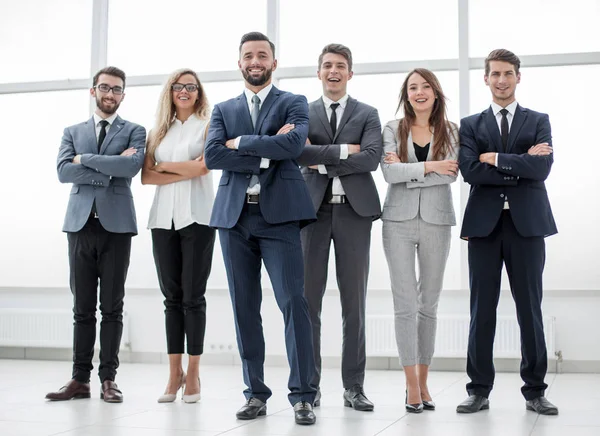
(342, 101)
(262, 94)
(98, 118)
(511, 108)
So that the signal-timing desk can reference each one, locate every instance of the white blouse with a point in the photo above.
(188, 201)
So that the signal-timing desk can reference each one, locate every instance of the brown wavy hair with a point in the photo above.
(444, 130)
(165, 113)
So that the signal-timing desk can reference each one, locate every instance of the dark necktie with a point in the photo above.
(254, 115)
(102, 133)
(504, 129)
(333, 119)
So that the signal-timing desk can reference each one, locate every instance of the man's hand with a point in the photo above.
(129, 152)
(307, 141)
(443, 167)
(231, 144)
(353, 149)
(286, 129)
(77, 159)
(488, 158)
(390, 156)
(314, 167)
(542, 149)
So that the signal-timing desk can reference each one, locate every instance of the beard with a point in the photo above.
(257, 81)
(105, 107)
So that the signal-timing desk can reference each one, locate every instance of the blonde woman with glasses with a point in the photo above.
(181, 239)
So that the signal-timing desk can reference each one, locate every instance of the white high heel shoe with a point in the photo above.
(193, 398)
(169, 398)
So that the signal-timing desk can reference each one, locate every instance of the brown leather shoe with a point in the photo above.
(73, 390)
(110, 392)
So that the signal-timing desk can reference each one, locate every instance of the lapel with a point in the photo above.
(90, 130)
(492, 128)
(243, 114)
(322, 114)
(412, 157)
(266, 106)
(350, 106)
(114, 131)
(516, 125)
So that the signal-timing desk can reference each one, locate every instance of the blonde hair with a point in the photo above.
(165, 112)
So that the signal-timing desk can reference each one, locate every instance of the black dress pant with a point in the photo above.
(183, 261)
(96, 254)
(524, 259)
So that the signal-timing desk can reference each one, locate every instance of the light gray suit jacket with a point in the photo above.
(103, 177)
(359, 125)
(410, 191)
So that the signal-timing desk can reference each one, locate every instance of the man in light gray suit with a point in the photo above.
(343, 148)
(99, 157)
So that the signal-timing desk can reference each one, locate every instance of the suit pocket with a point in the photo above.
(74, 190)
(122, 190)
(291, 174)
(224, 180)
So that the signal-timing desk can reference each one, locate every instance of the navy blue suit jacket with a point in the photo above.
(519, 175)
(284, 196)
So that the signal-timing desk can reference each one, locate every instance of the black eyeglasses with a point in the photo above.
(189, 87)
(117, 90)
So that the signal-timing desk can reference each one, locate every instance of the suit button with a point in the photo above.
(501, 195)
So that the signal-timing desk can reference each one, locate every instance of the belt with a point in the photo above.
(252, 198)
(337, 199)
(94, 215)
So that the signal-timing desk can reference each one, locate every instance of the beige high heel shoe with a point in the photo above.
(169, 398)
(193, 398)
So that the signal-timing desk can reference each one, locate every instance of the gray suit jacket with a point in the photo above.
(410, 191)
(359, 125)
(103, 177)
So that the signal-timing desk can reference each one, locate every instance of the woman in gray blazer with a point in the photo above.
(419, 163)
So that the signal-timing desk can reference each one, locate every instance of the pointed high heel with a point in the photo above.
(193, 398)
(169, 398)
(412, 408)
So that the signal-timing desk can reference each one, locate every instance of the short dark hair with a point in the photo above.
(256, 36)
(337, 49)
(111, 71)
(503, 55)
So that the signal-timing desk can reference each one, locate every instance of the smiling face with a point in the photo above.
(184, 99)
(334, 75)
(420, 94)
(257, 63)
(107, 103)
(502, 81)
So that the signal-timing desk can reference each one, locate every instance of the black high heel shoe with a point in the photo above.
(412, 408)
(428, 405)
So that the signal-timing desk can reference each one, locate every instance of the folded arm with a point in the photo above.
(433, 178)
(220, 157)
(120, 166)
(399, 172)
(320, 155)
(68, 172)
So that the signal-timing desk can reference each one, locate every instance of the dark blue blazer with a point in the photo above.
(519, 175)
(284, 196)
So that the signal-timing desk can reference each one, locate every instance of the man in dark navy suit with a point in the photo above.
(505, 155)
(261, 204)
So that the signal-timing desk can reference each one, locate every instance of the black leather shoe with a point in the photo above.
(355, 397)
(428, 405)
(473, 404)
(253, 408)
(303, 413)
(412, 408)
(317, 401)
(542, 406)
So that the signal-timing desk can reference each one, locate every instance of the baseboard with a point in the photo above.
(373, 362)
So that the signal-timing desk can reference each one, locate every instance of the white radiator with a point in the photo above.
(45, 328)
(452, 336)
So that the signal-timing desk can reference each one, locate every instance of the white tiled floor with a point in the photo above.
(23, 410)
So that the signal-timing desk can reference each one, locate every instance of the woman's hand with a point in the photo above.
(391, 157)
(443, 167)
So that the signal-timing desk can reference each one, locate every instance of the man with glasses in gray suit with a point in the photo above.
(343, 148)
(99, 157)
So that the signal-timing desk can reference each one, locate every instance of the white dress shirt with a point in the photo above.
(98, 118)
(511, 108)
(187, 201)
(336, 187)
(264, 162)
